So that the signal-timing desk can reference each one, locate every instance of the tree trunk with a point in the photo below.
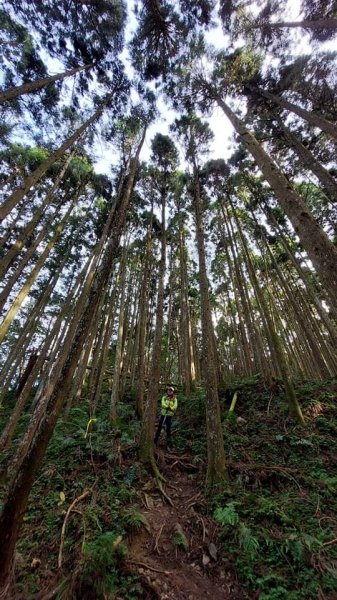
(216, 461)
(143, 314)
(8, 432)
(119, 344)
(8, 320)
(10, 366)
(29, 227)
(241, 306)
(32, 179)
(310, 292)
(110, 320)
(33, 86)
(146, 449)
(312, 118)
(14, 506)
(186, 332)
(131, 333)
(309, 161)
(320, 249)
(308, 326)
(275, 346)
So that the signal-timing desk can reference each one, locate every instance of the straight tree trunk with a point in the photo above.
(275, 346)
(40, 171)
(132, 332)
(143, 318)
(309, 161)
(186, 331)
(312, 118)
(28, 229)
(316, 346)
(320, 249)
(241, 308)
(80, 374)
(110, 320)
(310, 292)
(17, 303)
(33, 86)
(262, 306)
(96, 333)
(257, 346)
(119, 344)
(10, 366)
(9, 430)
(15, 504)
(216, 462)
(146, 445)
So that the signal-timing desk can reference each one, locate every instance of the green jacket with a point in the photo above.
(168, 406)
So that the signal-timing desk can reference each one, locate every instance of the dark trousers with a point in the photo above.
(164, 419)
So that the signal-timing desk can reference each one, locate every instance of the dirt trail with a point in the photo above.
(168, 571)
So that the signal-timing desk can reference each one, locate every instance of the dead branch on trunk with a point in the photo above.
(66, 518)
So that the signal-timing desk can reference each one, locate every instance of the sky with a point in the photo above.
(223, 143)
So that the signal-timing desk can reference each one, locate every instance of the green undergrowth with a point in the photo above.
(277, 524)
(99, 460)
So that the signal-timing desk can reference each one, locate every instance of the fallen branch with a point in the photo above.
(189, 466)
(66, 518)
(174, 456)
(253, 467)
(158, 538)
(141, 564)
(51, 594)
(330, 543)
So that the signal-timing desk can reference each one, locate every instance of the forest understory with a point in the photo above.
(168, 249)
(98, 527)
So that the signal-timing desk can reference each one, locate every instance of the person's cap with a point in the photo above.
(170, 389)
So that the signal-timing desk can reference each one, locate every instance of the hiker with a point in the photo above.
(169, 405)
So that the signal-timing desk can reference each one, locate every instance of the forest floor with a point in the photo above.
(272, 535)
(175, 552)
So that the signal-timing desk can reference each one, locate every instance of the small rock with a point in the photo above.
(213, 551)
(241, 420)
(35, 563)
(205, 559)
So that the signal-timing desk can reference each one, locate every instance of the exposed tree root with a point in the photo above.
(160, 487)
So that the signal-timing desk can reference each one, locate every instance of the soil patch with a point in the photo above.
(175, 553)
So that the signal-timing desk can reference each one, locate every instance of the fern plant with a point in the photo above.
(133, 519)
(248, 542)
(227, 515)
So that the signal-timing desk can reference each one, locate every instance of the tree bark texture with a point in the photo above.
(216, 461)
(320, 249)
(33, 86)
(16, 502)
